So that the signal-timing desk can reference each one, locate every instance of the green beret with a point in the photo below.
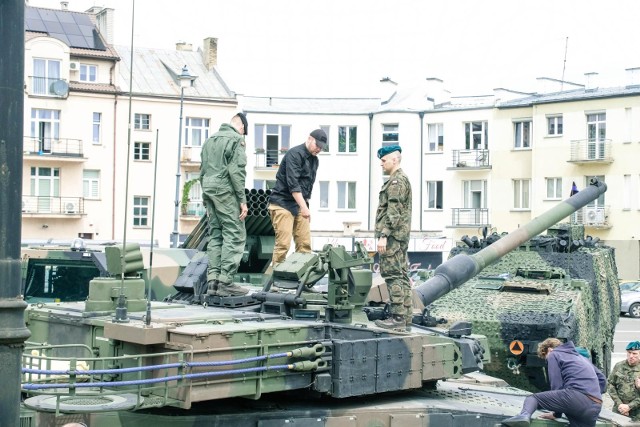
(388, 149)
(633, 345)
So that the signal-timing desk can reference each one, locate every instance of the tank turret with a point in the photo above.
(462, 267)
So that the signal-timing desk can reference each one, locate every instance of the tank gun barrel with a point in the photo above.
(462, 267)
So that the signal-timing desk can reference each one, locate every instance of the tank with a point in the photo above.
(519, 288)
(295, 351)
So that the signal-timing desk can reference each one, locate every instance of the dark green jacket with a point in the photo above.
(224, 163)
(394, 207)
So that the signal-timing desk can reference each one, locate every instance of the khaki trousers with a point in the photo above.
(287, 226)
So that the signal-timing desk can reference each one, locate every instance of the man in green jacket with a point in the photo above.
(623, 383)
(222, 174)
(393, 227)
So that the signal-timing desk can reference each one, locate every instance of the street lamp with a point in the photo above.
(185, 79)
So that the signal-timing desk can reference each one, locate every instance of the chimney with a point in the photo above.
(591, 81)
(210, 52)
(184, 47)
(387, 89)
(64, 5)
(105, 21)
(436, 90)
(633, 76)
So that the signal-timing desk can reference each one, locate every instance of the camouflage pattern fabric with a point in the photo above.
(393, 219)
(222, 174)
(621, 388)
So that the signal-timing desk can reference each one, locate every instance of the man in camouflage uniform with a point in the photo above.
(624, 382)
(393, 226)
(222, 174)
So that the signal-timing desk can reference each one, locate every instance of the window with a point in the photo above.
(195, 204)
(554, 125)
(88, 73)
(140, 211)
(91, 184)
(326, 130)
(596, 135)
(434, 194)
(347, 139)
(390, 135)
(435, 135)
(476, 135)
(554, 188)
(45, 184)
(346, 195)
(626, 192)
(261, 184)
(324, 194)
(196, 131)
(474, 194)
(521, 193)
(142, 121)
(274, 139)
(45, 126)
(599, 202)
(522, 134)
(97, 119)
(141, 150)
(45, 73)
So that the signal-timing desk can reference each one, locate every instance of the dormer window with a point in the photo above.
(88, 73)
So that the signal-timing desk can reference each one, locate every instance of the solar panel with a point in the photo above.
(73, 28)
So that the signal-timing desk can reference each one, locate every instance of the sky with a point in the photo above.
(342, 48)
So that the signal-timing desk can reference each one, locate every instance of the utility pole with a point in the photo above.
(13, 331)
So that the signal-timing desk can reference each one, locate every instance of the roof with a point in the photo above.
(266, 104)
(571, 95)
(75, 29)
(155, 72)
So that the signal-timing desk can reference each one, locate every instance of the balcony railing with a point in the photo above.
(191, 154)
(470, 159)
(592, 216)
(47, 86)
(52, 205)
(591, 151)
(269, 158)
(64, 147)
(195, 208)
(469, 217)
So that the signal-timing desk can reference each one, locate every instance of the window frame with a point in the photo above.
(469, 133)
(557, 188)
(190, 130)
(347, 132)
(348, 195)
(390, 134)
(558, 125)
(138, 210)
(437, 187)
(139, 150)
(522, 134)
(86, 69)
(89, 183)
(139, 122)
(518, 191)
(435, 130)
(324, 194)
(96, 128)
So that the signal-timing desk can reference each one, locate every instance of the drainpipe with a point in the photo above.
(370, 161)
(113, 169)
(13, 332)
(421, 114)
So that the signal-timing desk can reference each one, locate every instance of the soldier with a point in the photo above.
(393, 225)
(576, 388)
(222, 174)
(289, 200)
(624, 382)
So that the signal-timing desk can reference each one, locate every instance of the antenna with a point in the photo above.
(564, 64)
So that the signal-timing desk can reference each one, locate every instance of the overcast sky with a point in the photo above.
(344, 47)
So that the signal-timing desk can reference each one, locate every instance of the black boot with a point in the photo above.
(212, 287)
(522, 420)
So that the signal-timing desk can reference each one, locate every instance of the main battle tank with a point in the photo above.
(561, 285)
(281, 356)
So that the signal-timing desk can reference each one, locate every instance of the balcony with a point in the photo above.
(592, 216)
(470, 160)
(46, 86)
(268, 159)
(52, 206)
(470, 217)
(35, 147)
(193, 211)
(586, 151)
(190, 156)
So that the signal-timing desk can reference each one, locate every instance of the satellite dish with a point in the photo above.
(60, 88)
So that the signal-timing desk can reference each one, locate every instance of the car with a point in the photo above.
(630, 297)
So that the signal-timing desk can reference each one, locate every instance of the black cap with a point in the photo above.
(244, 122)
(320, 136)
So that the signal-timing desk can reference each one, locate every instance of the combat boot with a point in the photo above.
(231, 290)
(522, 420)
(396, 322)
(212, 287)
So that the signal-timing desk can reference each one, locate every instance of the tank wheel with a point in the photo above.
(634, 310)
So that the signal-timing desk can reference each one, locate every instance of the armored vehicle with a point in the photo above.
(281, 356)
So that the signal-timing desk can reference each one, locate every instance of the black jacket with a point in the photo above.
(297, 173)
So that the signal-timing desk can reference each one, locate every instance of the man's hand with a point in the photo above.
(382, 245)
(243, 211)
(624, 409)
(306, 213)
(548, 416)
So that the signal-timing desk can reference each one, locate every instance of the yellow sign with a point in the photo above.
(516, 347)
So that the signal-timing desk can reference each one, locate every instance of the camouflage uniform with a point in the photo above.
(222, 174)
(393, 219)
(621, 388)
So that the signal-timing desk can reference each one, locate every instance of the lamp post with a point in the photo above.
(185, 79)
